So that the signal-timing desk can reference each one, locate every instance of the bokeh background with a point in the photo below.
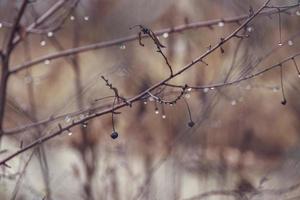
(243, 136)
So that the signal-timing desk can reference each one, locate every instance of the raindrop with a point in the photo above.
(205, 90)
(233, 102)
(166, 35)
(47, 62)
(156, 111)
(212, 88)
(67, 119)
(221, 24)
(189, 89)
(50, 34)
(164, 116)
(122, 46)
(151, 99)
(280, 44)
(250, 29)
(298, 12)
(70, 133)
(43, 43)
(72, 18)
(290, 43)
(145, 102)
(1, 25)
(86, 18)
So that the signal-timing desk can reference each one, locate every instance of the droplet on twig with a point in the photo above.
(43, 43)
(1, 25)
(233, 102)
(47, 62)
(86, 18)
(72, 18)
(50, 34)
(70, 133)
(164, 116)
(250, 29)
(122, 46)
(221, 24)
(67, 119)
(166, 35)
(290, 43)
(298, 12)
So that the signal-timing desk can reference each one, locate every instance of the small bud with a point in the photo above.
(114, 135)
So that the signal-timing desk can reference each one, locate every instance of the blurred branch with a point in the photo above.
(119, 41)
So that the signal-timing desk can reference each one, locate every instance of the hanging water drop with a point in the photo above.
(212, 88)
(156, 111)
(50, 34)
(280, 44)
(122, 46)
(86, 18)
(47, 62)
(67, 119)
(249, 29)
(151, 99)
(145, 102)
(205, 90)
(43, 43)
(114, 135)
(166, 35)
(290, 43)
(1, 25)
(164, 116)
(221, 24)
(233, 102)
(70, 133)
(298, 12)
(72, 18)
(189, 89)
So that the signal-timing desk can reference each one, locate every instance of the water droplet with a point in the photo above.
(114, 135)
(86, 18)
(70, 133)
(212, 88)
(166, 35)
(1, 25)
(189, 89)
(122, 46)
(156, 111)
(290, 43)
(205, 90)
(151, 99)
(187, 96)
(250, 29)
(275, 89)
(233, 102)
(280, 44)
(67, 119)
(299, 75)
(145, 102)
(221, 24)
(164, 116)
(43, 43)
(50, 34)
(72, 18)
(84, 125)
(298, 12)
(47, 62)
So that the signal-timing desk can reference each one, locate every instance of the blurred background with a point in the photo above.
(244, 143)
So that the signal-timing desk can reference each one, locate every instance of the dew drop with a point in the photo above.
(122, 46)
(67, 119)
(151, 99)
(212, 88)
(298, 12)
(114, 135)
(166, 35)
(250, 29)
(50, 34)
(47, 62)
(72, 18)
(299, 75)
(164, 116)
(1, 25)
(205, 90)
(145, 102)
(189, 89)
(233, 102)
(290, 43)
(70, 133)
(221, 24)
(86, 18)
(187, 96)
(280, 44)
(156, 111)
(43, 43)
